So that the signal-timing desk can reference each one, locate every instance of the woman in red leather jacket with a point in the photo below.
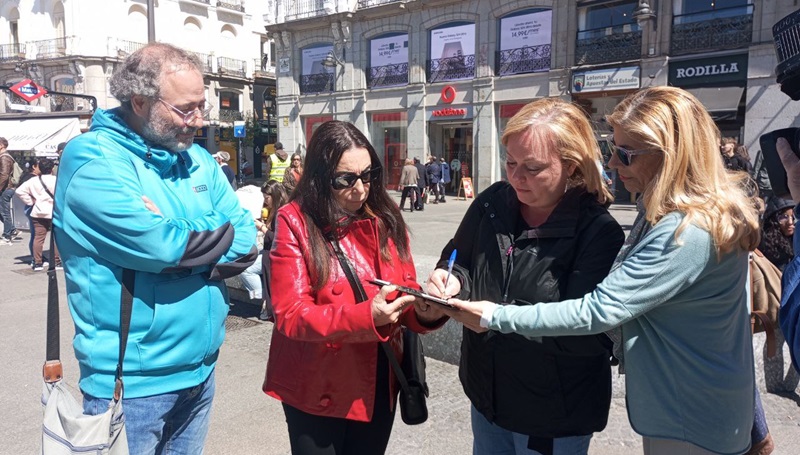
(325, 363)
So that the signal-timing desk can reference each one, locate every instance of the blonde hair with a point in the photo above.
(563, 125)
(692, 179)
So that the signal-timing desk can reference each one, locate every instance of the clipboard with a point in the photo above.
(414, 292)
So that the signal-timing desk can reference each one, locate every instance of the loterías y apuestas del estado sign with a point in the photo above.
(707, 70)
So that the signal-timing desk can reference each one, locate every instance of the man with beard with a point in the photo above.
(138, 203)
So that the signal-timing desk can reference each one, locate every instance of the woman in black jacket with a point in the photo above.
(543, 236)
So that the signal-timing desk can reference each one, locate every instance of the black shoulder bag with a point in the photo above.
(414, 389)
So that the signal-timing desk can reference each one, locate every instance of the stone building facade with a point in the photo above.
(442, 78)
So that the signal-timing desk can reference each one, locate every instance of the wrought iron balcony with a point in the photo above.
(12, 52)
(451, 68)
(230, 115)
(387, 75)
(51, 48)
(528, 59)
(316, 83)
(608, 44)
(725, 28)
(370, 3)
(262, 67)
(235, 5)
(303, 9)
(205, 59)
(232, 66)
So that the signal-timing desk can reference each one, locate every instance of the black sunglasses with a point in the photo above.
(346, 180)
(626, 155)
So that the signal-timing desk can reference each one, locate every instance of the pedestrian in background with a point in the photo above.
(275, 197)
(542, 236)
(37, 192)
(277, 163)
(409, 177)
(7, 186)
(222, 159)
(445, 178)
(677, 290)
(31, 171)
(422, 184)
(136, 193)
(293, 173)
(434, 174)
(326, 364)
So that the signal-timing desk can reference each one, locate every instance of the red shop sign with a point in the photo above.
(448, 94)
(28, 90)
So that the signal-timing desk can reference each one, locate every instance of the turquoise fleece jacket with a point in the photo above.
(179, 257)
(686, 334)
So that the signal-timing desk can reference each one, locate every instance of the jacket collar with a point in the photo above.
(161, 159)
(563, 222)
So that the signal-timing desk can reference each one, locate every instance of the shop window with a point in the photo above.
(608, 32)
(389, 136)
(312, 123)
(388, 57)
(452, 52)
(524, 39)
(506, 112)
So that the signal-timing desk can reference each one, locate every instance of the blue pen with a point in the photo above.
(450, 267)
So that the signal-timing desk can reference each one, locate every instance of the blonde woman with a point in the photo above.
(677, 289)
(543, 236)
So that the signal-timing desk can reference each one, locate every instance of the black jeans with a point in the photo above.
(408, 190)
(316, 435)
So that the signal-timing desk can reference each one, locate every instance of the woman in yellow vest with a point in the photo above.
(277, 163)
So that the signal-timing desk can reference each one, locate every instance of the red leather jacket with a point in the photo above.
(323, 354)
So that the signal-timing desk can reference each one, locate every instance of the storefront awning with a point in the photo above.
(42, 135)
(721, 102)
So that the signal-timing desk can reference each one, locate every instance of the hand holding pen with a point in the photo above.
(440, 283)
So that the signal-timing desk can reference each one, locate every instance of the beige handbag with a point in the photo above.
(66, 430)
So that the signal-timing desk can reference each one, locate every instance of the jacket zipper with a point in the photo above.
(509, 271)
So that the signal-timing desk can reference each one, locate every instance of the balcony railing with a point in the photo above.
(230, 115)
(451, 68)
(387, 75)
(51, 48)
(262, 66)
(205, 59)
(370, 3)
(725, 28)
(235, 5)
(126, 48)
(304, 9)
(12, 52)
(528, 59)
(316, 83)
(205, 2)
(608, 44)
(232, 66)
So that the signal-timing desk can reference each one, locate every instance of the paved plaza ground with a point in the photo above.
(245, 421)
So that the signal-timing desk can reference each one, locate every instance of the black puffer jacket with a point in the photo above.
(546, 387)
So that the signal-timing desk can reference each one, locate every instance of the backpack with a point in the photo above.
(765, 292)
(16, 172)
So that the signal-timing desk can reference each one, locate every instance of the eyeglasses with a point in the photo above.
(191, 115)
(784, 217)
(346, 180)
(625, 155)
(295, 159)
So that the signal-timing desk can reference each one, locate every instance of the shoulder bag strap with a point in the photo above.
(48, 193)
(358, 290)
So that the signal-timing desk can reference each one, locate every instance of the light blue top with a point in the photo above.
(686, 334)
(180, 257)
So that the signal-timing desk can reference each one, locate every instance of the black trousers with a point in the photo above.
(316, 435)
(408, 191)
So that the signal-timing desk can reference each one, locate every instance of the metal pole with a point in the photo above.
(151, 21)
(239, 162)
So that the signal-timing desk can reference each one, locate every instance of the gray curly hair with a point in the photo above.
(141, 72)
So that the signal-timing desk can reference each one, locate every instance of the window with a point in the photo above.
(610, 14)
(388, 59)
(229, 101)
(696, 6)
(389, 131)
(58, 20)
(524, 38)
(452, 52)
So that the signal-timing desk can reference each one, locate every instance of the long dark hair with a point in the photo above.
(277, 192)
(776, 246)
(323, 215)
